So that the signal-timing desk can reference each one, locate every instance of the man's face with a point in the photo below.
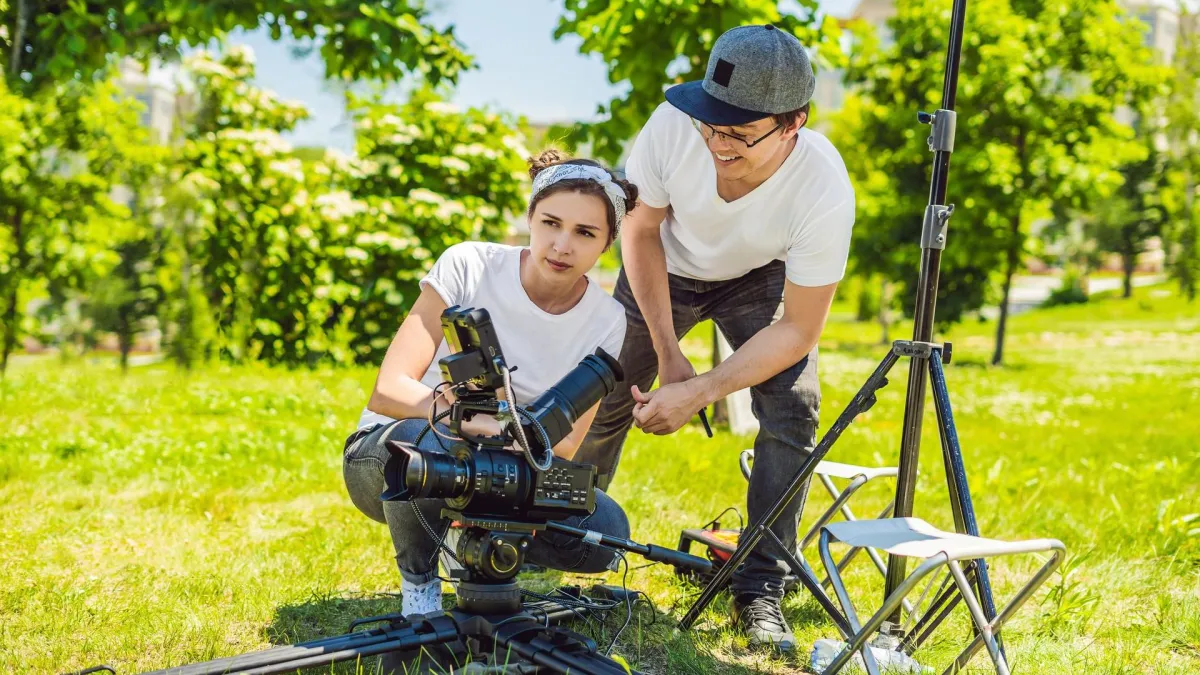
(739, 151)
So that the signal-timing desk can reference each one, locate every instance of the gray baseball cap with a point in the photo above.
(753, 72)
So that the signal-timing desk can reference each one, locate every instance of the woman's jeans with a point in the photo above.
(416, 551)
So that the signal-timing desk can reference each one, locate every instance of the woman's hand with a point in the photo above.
(481, 425)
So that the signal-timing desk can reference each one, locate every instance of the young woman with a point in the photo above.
(548, 316)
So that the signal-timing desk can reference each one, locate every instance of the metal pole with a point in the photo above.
(933, 240)
(862, 401)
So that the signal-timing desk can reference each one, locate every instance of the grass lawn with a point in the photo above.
(163, 518)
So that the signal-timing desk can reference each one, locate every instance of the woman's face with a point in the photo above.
(567, 233)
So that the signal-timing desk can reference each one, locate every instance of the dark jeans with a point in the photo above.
(786, 405)
(362, 468)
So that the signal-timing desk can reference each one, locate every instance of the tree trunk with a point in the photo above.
(884, 316)
(720, 406)
(18, 43)
(10, 327)
(1128, 262)
(1010, 268)
(1190, 234)
(12, 310)
(124, 339)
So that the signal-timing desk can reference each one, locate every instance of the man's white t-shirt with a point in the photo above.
(543, 347)
(803, 214)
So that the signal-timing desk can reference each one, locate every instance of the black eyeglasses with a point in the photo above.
(707, 131)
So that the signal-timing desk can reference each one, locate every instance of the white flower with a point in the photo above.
(442, 107)
(338, 205)
(292, 168)
(427, 196)
(455, 164)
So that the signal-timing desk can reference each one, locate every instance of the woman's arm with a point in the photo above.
(570, 443)
(399, 392)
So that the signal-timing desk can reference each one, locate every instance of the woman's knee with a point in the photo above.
(608, 518)
(364, 483)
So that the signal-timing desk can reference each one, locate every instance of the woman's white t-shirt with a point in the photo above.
(543, 347)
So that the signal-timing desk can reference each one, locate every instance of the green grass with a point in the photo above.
(163, 518)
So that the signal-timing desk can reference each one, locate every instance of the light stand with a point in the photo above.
(928, 359)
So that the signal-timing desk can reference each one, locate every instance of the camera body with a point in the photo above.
(482, 477)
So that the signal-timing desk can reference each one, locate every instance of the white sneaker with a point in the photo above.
(420, 598)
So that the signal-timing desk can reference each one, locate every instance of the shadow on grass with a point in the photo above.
(647, 638)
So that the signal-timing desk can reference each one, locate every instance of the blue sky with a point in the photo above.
(521, 68)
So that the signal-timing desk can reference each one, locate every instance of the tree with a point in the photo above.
(124, 299)
(60, 152)
(1039, 85)
(1126, 221)
(651, 43)
(1183, 133)
(430, 176)
(51, 41)
(319, 261)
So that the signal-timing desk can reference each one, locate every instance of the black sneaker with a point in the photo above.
(762, 619)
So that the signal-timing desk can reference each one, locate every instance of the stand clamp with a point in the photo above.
(921, 350)
(933, 229)
(941, 135)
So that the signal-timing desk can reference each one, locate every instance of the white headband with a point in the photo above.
(561, 172)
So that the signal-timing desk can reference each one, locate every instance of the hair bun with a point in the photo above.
(631, 194)
(545, 159)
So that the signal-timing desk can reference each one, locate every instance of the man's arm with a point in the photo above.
(771, 351)
(645, 264)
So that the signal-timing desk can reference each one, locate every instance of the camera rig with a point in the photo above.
(499, 500)
(502, 500)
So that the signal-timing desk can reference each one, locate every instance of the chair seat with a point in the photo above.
(915, 538)
(839, 470)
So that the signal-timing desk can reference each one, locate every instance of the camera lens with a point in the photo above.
(413, 474)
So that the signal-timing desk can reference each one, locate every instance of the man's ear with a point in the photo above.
(797, 124)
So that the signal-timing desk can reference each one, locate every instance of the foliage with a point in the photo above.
(1124, 221)
(1183, 134)
(1039, 85)
(59, 41)
(320, 261)
(1072, 291)
(650, 44)
(430, 176)
(61, 153)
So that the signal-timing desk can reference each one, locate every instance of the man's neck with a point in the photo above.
(731, 190)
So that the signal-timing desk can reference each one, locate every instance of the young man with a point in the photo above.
(744, 218)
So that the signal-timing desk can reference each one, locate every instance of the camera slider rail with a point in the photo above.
(530, 641)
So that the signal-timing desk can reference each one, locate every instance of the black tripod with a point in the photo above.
(928, 359)
(490, 631)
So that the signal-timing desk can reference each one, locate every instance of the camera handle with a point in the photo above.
(469, 403)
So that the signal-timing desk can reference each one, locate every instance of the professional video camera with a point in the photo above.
(478, 475)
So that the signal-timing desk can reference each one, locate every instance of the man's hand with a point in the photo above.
(666, 409)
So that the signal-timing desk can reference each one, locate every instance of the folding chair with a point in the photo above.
(858, 476)
(915, 538)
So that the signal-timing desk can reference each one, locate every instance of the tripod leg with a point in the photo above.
(862, 401)
(956, 474)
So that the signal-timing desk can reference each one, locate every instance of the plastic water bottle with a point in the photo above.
(825, 651)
